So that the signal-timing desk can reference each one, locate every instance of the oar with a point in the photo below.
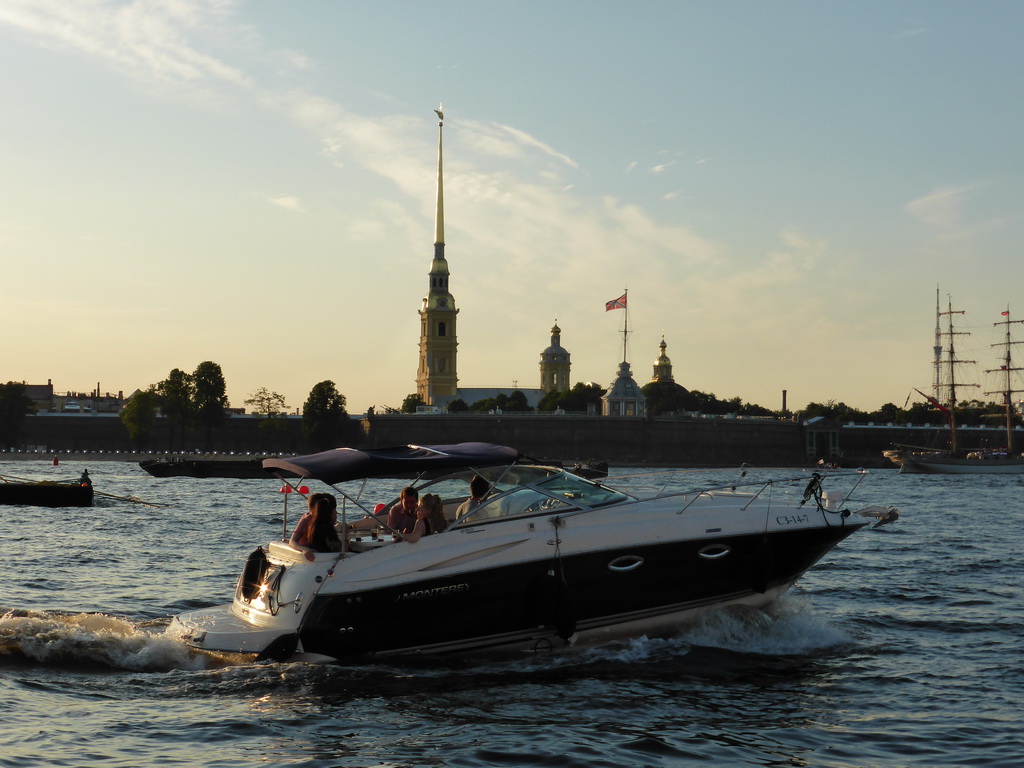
(133, 499)
(9, 478)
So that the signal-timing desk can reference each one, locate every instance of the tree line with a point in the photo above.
(668, 398)
(196, 402)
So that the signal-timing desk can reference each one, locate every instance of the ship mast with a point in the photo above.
(950, 364)
(937, 350)
(1007, 369)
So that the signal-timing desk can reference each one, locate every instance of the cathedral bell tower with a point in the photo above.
(554, 364)
(436, 379)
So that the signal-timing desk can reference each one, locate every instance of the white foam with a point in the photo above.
(92, 639)
(789, 627)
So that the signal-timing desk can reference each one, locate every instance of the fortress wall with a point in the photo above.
(623, 441)
(568, 438)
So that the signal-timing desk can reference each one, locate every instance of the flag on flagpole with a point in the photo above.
(1005, 314)
(619, 303)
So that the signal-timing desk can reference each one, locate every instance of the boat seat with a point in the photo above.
(282, 550)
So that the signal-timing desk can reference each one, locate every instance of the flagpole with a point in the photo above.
(625, 324)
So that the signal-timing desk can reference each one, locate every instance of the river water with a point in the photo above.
(903, 647)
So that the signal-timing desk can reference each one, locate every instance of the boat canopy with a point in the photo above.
(342, 464)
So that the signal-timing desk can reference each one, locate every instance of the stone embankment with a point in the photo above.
(680, 442)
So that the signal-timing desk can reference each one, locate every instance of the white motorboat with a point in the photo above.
(548, 559)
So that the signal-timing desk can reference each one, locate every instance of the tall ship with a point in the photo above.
(954, 460)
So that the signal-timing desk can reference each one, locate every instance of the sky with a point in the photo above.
(781, 186)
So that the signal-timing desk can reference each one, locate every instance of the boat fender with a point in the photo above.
(550, 603)
(280, 649)
(252, 574)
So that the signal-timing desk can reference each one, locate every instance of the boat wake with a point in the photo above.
(787, 631)
(96, 641)
(788, 627)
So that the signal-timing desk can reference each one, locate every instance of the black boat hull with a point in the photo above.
(540, 602)
(45, 494)
(245, 469)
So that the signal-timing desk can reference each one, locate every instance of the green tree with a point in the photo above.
(664, 397)
(324, 418)
(211, 400)
(15, 405)
(576, 399)
(549, 402)
(411, 403)
(515, 402)
(139, 416)
(889, 412)
(458, 405)
(832, 410)
(753, 409)
(701, 402)
(269, 407)
(177, 403)
(266, 404)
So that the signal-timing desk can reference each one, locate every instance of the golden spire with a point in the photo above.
(439, 218)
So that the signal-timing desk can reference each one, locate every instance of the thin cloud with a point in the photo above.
(942, 208)
(143, 40)
(912, 32)
(505, 141)
(294, 60)
(529, 141)
(288, 202)
(951, 212)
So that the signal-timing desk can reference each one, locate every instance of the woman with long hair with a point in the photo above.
(429, 518)
(436, 521)
(315, 531)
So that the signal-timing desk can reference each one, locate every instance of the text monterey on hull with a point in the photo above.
(547, 560)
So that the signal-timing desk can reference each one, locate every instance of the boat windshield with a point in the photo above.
(526, 490)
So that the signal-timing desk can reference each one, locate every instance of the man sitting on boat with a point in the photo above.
(478, 490)
(402, 517)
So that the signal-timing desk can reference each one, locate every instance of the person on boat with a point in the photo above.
(316, 531)
(402, 517)
(478, 490)
(429, 518)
